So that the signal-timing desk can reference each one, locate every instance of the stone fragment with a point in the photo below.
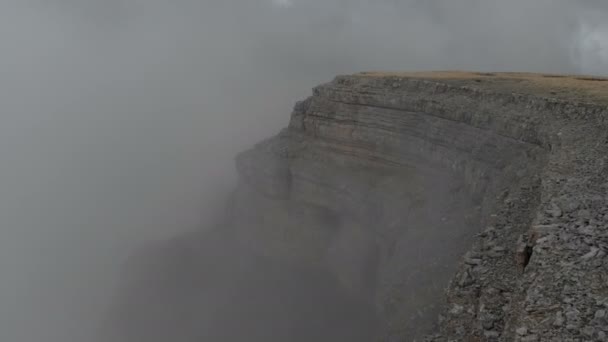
(530, 338)
(472, 261)
(554, 211)
(491, 334)
(456, 309)
(588, 331)
(569, 205)
(591, 254)
(584, 214)
(487, 324)
(466, 279)
(559, 319)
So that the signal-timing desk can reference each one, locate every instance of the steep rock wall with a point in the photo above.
(394, 176)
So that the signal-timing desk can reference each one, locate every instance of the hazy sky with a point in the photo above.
(120, 118)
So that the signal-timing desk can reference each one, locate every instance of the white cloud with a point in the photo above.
(283, 3)
(591, 48)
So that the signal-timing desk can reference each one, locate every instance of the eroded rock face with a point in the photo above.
(426, 206)
(407, 180)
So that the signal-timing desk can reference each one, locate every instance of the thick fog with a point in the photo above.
(120, 119)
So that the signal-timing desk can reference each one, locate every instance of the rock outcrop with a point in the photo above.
(454, 206)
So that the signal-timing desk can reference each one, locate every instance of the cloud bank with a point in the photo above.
(119, 119)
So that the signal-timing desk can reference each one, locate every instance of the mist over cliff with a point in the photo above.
(121, 119)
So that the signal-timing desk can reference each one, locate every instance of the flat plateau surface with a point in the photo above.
(574, 88)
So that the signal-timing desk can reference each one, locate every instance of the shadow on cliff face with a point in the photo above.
(205, 287)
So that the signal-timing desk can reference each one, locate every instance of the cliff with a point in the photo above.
(455, 206)
(396, 176)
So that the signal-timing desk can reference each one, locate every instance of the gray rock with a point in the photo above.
(456, 309)
(588, 331)
(491, 334)
(570, 205)
(530, 338)
(559, 319)
(584, 214)
(473, 262)
(572, 326)
(591, 254)
(554, 211)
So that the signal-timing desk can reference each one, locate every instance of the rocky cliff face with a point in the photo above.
(449, 206)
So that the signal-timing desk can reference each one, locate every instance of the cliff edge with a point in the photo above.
(489, 189)
(445, 206)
